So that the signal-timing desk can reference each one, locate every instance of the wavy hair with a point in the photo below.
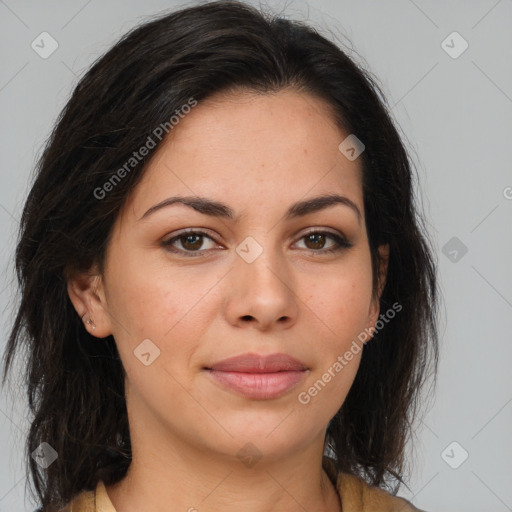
(75, 385)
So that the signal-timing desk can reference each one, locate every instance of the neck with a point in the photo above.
(166, 481)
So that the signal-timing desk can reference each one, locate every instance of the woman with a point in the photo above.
(227, 297)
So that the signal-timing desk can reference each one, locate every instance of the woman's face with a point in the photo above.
(256, 280)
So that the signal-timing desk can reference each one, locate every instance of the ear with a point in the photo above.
(373, 314)
(86, 292)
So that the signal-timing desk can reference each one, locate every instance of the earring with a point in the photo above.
(89, 322)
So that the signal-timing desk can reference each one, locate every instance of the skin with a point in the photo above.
(258, 154)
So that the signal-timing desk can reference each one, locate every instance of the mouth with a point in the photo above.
(258, 377)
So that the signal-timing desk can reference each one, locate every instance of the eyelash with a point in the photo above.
(341, 243)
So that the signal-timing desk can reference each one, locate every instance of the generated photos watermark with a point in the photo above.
(305, 397)
(138, 156)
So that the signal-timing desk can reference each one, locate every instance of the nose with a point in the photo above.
(261, 293)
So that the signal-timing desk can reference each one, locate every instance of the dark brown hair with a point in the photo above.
(76, 384)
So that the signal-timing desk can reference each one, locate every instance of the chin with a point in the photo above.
(275, 436)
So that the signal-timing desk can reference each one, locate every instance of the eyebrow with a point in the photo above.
(216, 209)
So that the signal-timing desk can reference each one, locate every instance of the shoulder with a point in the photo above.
(96, 500)
(83, 502)
(358, 495)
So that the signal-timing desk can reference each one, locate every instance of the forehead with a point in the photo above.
(252, 147)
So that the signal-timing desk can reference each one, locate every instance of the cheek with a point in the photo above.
(340, 301)
(343, 313)
(171, 307)
(152, 297)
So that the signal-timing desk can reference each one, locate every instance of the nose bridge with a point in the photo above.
(260, 266)
(261, 285)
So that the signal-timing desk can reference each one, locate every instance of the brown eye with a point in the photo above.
(190, 243)
(316, 241)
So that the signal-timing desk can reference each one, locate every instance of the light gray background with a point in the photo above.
(456, 115)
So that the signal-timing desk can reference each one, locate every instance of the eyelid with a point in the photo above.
(327, 231)
(341, 241)
(193, 231)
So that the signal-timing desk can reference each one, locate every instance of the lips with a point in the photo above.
(258, 377)
(252, 363)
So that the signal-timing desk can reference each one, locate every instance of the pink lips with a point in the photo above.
(258, 377)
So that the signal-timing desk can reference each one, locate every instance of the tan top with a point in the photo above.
(357, 496)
